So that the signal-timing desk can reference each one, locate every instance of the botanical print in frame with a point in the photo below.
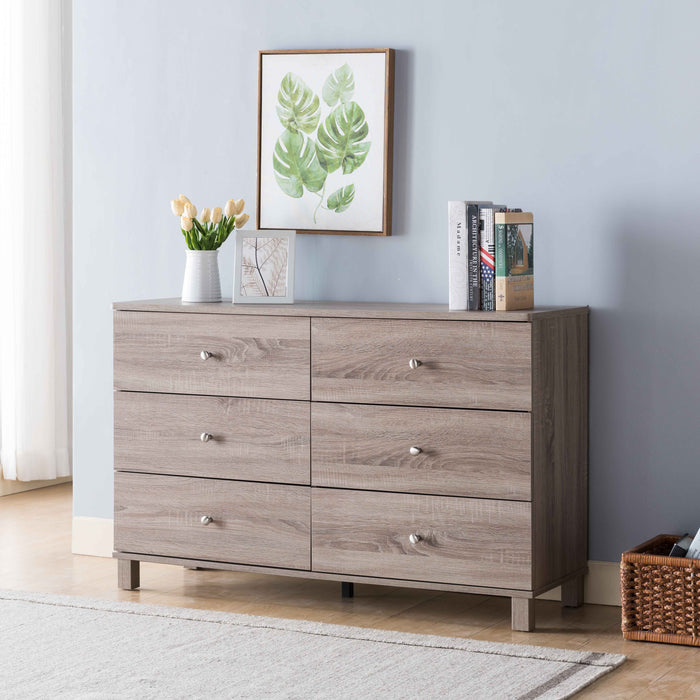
(325, 131)
(264, 269)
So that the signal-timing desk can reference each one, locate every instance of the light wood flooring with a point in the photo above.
(35, 543)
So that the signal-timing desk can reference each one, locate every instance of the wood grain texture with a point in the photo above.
(251, 439)
(522, 611)
(252, 356)
(465, 541)
(388, 155)
(572, 592)
(464, 365)
(345, 309)
(560, 447)
(265, 524)
(200, 564)
(128, 574)
(483, 454)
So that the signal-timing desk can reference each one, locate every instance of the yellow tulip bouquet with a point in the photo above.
(213, 226)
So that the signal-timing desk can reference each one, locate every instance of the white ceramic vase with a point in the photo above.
(201, 281)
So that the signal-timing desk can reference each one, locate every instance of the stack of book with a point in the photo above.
(491, 257)
(687, 546)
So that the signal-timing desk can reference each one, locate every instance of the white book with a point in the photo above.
(457, 230)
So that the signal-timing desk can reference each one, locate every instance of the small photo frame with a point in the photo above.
(264, 267)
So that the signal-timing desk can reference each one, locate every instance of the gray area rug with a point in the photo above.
(65, 647)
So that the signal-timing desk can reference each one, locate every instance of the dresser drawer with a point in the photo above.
(484, 454)
(226, 438)
(259, 524)
(465, 541)
(470, 364)
(250, 356)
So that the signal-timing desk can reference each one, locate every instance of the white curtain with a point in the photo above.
(34, 241)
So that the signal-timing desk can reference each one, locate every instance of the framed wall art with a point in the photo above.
(325, 132)
(264, 269)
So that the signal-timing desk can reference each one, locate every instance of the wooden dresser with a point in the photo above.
(394, 444)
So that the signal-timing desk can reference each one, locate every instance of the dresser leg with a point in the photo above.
(347, 589)
(572, 592)
(522, 614)
(128, 574)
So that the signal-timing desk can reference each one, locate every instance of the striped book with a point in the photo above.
(487, 255)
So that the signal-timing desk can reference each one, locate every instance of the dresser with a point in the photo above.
(397, 444)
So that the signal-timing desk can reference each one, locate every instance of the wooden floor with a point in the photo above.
(35, 542)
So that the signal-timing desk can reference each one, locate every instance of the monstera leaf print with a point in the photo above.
(341, 199)
(339, 86)
(320, 138)
(299, 108)
(340, 139)
(296, 164)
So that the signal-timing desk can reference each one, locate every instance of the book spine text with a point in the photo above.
(457, 230)
(473, 257)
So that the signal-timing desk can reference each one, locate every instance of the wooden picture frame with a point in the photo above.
(304, 155)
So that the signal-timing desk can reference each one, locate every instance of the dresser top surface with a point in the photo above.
(343, 309)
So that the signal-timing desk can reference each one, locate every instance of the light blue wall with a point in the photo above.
(587, 113)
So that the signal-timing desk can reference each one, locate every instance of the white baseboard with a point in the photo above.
(95, 537)
(601, 585)
(8, 486)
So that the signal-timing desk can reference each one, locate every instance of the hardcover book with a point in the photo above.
(514, 261)
(473, 256)
(457, 230)
(487, 259)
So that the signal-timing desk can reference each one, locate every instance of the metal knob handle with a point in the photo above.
(414, 364)
(414, 538)
(206, 519)
(205, 354)
(415, 451)
(205, 437)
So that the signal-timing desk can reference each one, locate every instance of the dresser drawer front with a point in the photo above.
(258, 524)
(225, 438)
(251, 356)
(462, 364)
(483, 454)
(463, 541)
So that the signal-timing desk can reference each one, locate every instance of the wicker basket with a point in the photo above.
(660, 594)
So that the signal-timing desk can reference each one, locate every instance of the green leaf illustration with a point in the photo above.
(339, 85)
(299, 108)
(340, 139)
(341, 199)
(296, 164)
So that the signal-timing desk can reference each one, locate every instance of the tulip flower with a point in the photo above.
(211, 229)
(241, 220)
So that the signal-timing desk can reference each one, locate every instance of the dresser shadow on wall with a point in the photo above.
(645, 384)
